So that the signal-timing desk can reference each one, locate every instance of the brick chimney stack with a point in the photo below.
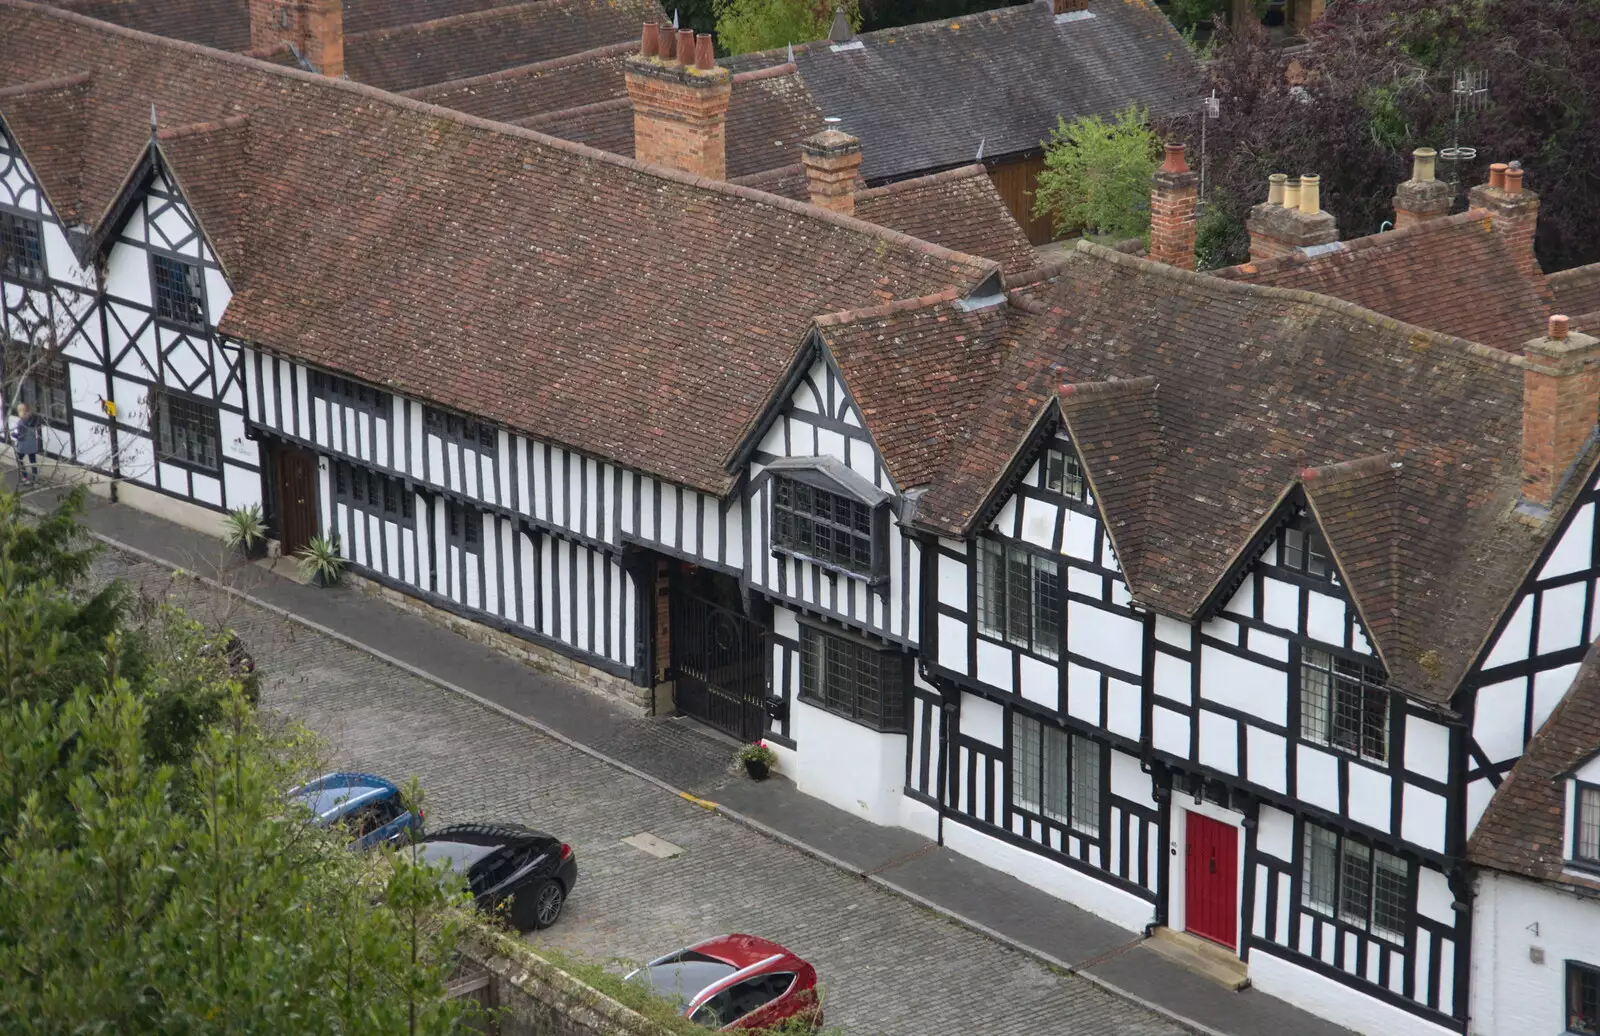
(1560, 404)
(314, 28)
(680, 102)
(1068, 6)
(1422, 197)
(833, 162)
(1279, 228)
(1512, 212)
(1173, 196)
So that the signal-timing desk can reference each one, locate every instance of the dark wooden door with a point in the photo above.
(719, 656)
(296, 497)
(1211, 888)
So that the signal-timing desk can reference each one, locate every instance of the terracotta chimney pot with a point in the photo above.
(1497, 176)
(686, 46)
(650, 43)
(1558, 326)
(1513, 178)
(705, 56)
(1175, 162)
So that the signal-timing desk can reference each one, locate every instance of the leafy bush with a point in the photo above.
(1096, 176)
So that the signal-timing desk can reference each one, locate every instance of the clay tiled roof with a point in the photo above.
(1201, 405)
(1577, 292)
(1523, 829)
(476, 43)
(531, 90)
(769, 114)
(923, 97)
(224, 24)
(364, 15)
(787, 181)
(47, 117)
(1452, 275)
(915, 368)
(218, 177)
(958, 208)
(627, 311)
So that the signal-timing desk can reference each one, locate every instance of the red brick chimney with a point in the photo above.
(833, 162)
(1422, 197)
(314, 28)
(1173, 196)
(1560, 405)
(1290, 219)
(1067, 6)
(680, 102)
(1513, 213)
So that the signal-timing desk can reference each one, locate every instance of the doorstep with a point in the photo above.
(1201, 956)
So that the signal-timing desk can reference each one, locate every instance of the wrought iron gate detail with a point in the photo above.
(719, 662)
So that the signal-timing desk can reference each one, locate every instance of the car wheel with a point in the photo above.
(546, 900)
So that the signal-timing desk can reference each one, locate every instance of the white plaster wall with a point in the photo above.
(847, 765)
(1337, 1002)
(1512, 995)
(1059, 880)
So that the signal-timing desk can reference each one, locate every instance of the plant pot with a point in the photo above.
(756, 769)
(320, 579)
(253, 551)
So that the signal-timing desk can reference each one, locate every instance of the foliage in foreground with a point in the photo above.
(1096, 176)
(152, 876)
(750, 25)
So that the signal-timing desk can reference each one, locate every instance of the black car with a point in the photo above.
(525, 873)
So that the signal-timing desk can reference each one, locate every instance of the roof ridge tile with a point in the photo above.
(519, 71)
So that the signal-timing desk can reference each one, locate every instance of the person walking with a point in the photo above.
(27, 435)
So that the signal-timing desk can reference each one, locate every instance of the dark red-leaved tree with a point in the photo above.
(1376, 81)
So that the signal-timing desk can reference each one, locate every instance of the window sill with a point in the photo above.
(876, 582)
(857, 720)
(1001, 641)
(1345, 752)
(189, 465)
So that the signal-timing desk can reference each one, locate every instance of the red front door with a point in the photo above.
(1211, 891)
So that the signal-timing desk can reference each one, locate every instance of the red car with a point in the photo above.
(736, 982)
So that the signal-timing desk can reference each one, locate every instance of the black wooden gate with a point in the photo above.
(719, 663)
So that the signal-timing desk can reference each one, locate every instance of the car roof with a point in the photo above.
(333, 795)
(487, 834)
(742, 951)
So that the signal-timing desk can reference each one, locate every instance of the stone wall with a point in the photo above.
(535, 656)
(533, 997)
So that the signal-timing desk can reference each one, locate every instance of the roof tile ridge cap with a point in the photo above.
(1356, 245)
(974, 263)
(942, 24)
(1028, 278)
(451, 20)
(563, 114)
(41, 86)
(960, 172)
(532, 68)
(765, 175)
(1110, 388)
(1372, 464)
(852, 316)
(196, 128)
(1575, 273)
(788, 68)
(1027, 305)
(1463, 346)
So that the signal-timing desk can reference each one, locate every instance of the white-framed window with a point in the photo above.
(1019, 597)
(1055, 774)
(1344, 704)
(1364, 887)
(1063, 474)
(1586, 825)
(1306, 552)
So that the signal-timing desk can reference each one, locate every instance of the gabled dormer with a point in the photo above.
(1580, 788)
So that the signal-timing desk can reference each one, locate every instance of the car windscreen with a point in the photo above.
(681, 980)
(459, 855)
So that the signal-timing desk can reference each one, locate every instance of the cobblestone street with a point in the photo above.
(889, 967)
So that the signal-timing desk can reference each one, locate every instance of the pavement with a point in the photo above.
(908, 936)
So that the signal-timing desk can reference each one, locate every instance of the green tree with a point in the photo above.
(750, 25)
(1096, 176)
(185, 894)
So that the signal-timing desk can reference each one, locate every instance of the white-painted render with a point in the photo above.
(1525, 933)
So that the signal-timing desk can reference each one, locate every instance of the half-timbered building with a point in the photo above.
(1220, 608)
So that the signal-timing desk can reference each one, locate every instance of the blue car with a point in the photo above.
(371, 807)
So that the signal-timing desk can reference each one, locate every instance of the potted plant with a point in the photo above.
(758, 760)
(320, 561)
(246, 531)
